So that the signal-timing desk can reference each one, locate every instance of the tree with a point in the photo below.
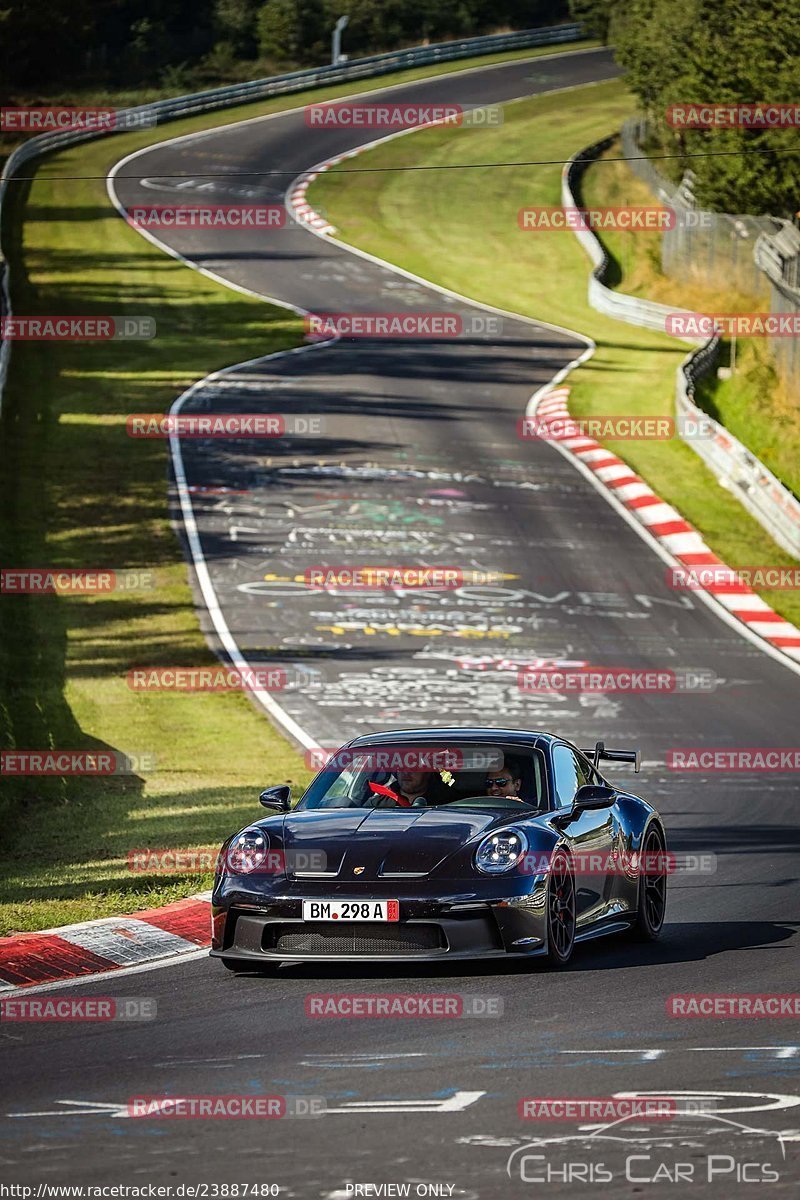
(292, 30)
(697, 52)
(278, 30)
(594, 15)
(235, 24)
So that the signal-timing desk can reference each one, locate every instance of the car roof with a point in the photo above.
(473, 733)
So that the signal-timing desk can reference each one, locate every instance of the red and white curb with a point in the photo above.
(296, 198)
(298, 205)
(107, 944)
(668, 527)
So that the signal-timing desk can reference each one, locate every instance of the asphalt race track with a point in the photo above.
(420, 463)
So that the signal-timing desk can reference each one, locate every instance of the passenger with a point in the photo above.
(507, 781)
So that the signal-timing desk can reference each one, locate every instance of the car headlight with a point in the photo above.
(500, 851)
(247, 852)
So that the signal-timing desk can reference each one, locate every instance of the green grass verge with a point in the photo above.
(459, 229)
(76, 491)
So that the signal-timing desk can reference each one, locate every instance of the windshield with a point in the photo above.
(419, 776)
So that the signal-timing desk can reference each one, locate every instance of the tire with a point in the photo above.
(652, 902)
(561, 910)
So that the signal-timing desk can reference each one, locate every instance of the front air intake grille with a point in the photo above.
(356, 939)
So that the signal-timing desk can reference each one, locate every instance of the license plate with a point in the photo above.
(351, 910)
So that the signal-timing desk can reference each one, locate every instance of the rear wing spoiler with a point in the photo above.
(600, 752)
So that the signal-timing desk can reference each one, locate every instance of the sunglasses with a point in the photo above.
(501, 782)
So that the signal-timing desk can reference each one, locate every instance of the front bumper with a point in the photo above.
(433, 931)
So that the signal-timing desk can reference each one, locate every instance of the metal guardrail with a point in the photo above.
(161, 111)
(744, 475)
(759, 254)
(619, 305)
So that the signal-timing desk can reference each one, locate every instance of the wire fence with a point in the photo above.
(702, 247)
(745, 476)
(758, 256)
(778, 257)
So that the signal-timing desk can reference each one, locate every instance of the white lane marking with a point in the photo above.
(208, 1064)
(488, 1139)
(350, 1057)
(358, 1060)
(79, 1108)
(647, 1055)
(781, 1099)
(92, 1108)
(455, 1103)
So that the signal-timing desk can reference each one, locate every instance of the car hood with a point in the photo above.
(384, 843)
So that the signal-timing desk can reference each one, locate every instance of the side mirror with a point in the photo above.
(278, 797)
(593, 795)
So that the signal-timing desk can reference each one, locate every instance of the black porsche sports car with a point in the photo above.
(439, 844)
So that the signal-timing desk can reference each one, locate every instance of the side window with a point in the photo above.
(569, 773)
(589, 773)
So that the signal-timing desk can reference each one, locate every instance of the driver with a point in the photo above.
(407, 789)
(507, 781)
(412, 785)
